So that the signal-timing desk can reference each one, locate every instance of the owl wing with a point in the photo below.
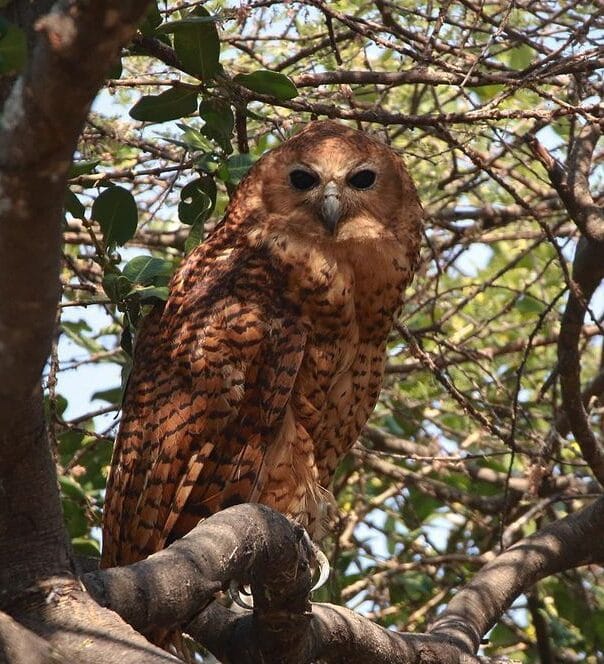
(213, 376)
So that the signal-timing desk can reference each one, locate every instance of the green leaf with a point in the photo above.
(151, 294)
(219, 122)
(198, 47)
(73, 205)
(235, 167)
(193, 139)
(268, 83)
(13, 48)
(527, 304)
(169, 105)
(115, 210)
(208, 163)
(116, 286)
(487, 92)
(85, 546)
(197, 200)
(127, 346)
(148, 271)
(71, 488)
(150, 21)
(82, 167)
(520, 57)
(194, 238)
(113, 395)
(75, 518)
(184, 23)
(60, 405)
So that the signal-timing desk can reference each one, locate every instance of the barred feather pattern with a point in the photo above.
(258, 374)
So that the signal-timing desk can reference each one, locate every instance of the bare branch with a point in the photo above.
(560, 546)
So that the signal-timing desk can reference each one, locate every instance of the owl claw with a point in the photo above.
(242, 595)
(238, 594)
(322, 562)
(324, 568)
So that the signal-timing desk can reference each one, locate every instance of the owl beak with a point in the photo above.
(331, 209)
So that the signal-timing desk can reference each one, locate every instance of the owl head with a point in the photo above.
(331, 183)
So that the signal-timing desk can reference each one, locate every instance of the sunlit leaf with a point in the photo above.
(198, 47)
(148, 270)
(268, 83)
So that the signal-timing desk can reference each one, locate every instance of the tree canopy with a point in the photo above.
(489, 428)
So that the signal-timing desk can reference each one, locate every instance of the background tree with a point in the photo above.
(489, 429)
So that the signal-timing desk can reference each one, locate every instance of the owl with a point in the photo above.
(258, 374)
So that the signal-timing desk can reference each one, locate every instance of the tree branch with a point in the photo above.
(178, 585)
(20, 646)
(572, 186)
(240, 543)
(588, 216)
(42, 118)
(564, 544)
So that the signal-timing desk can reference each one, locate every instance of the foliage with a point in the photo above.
(468, 448)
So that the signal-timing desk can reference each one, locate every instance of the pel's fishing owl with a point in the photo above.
(258, 374)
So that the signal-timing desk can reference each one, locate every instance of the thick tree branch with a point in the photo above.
(588, 272)
(564, 544)
(588, 216)
(572, 186)
(238, 544)
(74, 625)
(335, 634)
(172, 586)
(42, 119)
(20, 646)
(252, 544)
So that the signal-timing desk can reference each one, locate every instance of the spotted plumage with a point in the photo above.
(267, 359)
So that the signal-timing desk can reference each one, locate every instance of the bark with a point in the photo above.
(44, 111)
(588, 272)
(572, 186)
(252, 544)
(20, 646)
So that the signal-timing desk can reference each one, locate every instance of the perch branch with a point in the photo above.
(251, 543)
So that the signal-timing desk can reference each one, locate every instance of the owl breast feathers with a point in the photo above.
(267, 359)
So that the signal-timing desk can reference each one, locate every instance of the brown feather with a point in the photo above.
(267, 360)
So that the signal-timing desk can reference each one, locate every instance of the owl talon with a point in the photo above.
(324, 568)
(237, 593)
(321, 561)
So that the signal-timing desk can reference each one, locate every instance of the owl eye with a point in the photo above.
(362, 179)
(303, 180)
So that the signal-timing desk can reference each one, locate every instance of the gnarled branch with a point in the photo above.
(253, 544)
